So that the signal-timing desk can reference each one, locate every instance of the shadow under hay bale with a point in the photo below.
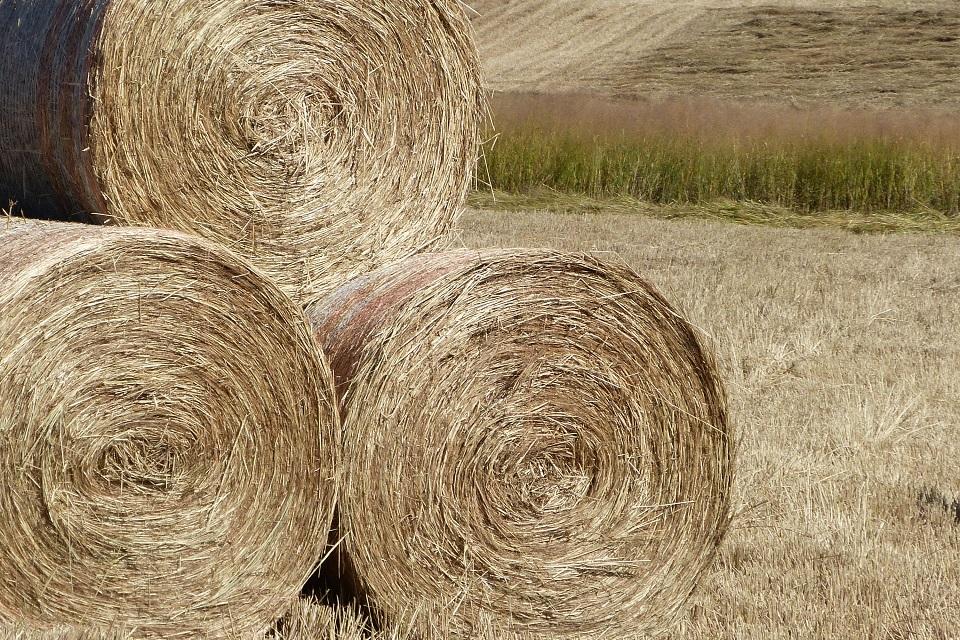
(317, 138)
(167, 435)
(534, 443)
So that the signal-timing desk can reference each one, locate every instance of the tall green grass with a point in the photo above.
(680, 155)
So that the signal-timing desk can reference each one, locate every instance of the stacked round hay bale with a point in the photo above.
(534, 443)
(318, 138)
(168, 435)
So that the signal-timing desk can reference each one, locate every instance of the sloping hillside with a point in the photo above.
(563, 45)
(877, 52)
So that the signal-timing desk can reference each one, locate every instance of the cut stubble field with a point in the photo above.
(857, 53)
(856, 56)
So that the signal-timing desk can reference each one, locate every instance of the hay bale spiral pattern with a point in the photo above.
(318, 138)
(167, 435)
(534, 443)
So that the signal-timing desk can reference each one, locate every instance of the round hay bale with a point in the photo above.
(534, 443)
(318, 138)
(168, 436)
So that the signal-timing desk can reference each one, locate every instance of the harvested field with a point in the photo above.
(856, 53)
(841, 355)
(871, 56)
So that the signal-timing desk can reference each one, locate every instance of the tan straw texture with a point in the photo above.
(318, 138)
(167, 435)
(534, 443)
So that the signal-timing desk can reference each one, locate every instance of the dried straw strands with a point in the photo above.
(167, 435)
(318, 138)
(62, 633)
(534, 443)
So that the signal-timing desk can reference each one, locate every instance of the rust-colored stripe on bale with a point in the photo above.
(348, 320)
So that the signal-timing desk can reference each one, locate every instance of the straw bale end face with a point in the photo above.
(167, 435)
(535, 443)
(317, 138)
